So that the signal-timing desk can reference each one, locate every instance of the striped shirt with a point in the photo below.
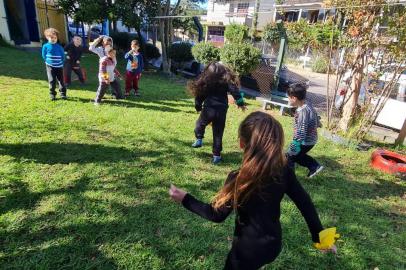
(305, 128)
(107, 69)
(53, 55)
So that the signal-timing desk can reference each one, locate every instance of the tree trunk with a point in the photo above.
(165, 64)
(115, 26)
(255, 20)
(349, 109)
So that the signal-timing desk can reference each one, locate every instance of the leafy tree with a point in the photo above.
(206, 53)
(240, 57)
(361, 37)
(236, 33)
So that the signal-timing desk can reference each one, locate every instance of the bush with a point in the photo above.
(206, 53)
(321, 34)
(320, 64)
(180, 52)
(299, 35)
(151, 51)
(273, 32)
(236, 33)
(240, 57)
(122, 40)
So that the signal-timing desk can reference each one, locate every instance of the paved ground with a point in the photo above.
(317, 90)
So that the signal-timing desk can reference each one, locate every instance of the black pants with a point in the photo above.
(303, 159)
(251, 255)
(115, 88)
(76, 68)
(216, 116)
(55, 75)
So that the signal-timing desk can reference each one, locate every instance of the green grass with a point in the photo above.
(85, 187)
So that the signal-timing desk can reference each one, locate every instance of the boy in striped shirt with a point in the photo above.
(304, 133)
(54, 56)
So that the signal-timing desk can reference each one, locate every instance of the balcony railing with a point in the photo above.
(242, 13)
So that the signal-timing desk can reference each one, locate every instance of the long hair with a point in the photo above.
(263, 159)
(214, 76)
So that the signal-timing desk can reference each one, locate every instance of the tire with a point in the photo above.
(389, 162)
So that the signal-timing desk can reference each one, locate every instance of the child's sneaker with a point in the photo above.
(216, 159)
(64, 97)
(137, 94)
(316, 171)
(52, 97)
(198, 143)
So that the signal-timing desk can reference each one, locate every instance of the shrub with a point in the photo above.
(320, 64)
(299, 35)
(273, 32)
(151, 51)
(236, 33)
(240, 57)
(180, 52)
(206, 53)
(321, 34)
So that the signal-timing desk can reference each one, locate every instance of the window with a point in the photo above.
(231, 8)
(243, 7)
(313, 15)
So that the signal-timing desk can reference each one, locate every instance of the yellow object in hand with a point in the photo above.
(105, 76)
(327, 238)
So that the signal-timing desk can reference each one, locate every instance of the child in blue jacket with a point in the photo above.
(54, 56)
(135, 66)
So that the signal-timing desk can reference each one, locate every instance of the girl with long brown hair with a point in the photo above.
(255, 192)
(210, 91)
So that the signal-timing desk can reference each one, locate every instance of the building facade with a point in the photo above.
(221, 13)
(22, 22)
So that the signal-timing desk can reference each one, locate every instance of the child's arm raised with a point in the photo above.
(202, 209)
(128, 56)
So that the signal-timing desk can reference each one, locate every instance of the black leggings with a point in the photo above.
(216, 116)
(55, 75)
(303, 159)
(252, 254)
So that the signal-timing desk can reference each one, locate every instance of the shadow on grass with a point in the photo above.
(128, 103)
(64, 153)
(139, 232)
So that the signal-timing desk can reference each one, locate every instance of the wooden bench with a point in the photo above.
(282, 102)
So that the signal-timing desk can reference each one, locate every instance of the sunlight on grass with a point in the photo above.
(86, 187)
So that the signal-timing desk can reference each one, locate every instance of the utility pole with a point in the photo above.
(255, 19)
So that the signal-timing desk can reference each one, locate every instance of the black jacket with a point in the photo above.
(74, 53)
(257, 220)
(218, 97)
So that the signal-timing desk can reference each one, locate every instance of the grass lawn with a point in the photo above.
(85, 187)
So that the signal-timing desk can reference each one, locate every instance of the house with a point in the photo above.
(221, 13)
(22, 22)
(294, 10)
